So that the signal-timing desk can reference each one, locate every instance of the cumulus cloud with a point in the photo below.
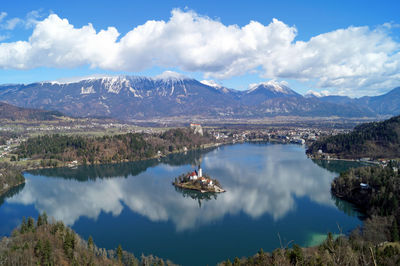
(355, 57)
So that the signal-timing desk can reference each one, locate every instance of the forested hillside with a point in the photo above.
(380, 197)
(109, 149)
(13, 113)
(374, 140)
(52, 243)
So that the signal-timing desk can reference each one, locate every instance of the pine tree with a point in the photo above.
(228, 262)
(261, 252)
(46, 258)
(44, 218)
(395, 231)
(119, 253)
(69, 244)
(24, 226)
(39, 221)
(38, 249)
(31, 224)
(90, 243)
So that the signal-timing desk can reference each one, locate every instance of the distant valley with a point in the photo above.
(173, 95)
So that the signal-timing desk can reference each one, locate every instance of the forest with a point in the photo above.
(45, 242)
(380, 194)
(13, 113)
(10, 176)
(56, 150)
(373, 140)
(362, 247)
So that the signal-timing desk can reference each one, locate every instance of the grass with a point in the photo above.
(188, 185)
(193, 186)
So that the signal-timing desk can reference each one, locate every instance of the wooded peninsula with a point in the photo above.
(370, 140)
(60, 150)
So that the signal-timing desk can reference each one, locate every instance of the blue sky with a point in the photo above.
(302, 47)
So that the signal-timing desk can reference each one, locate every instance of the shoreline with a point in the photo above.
(345, 160)
(2, 192)
(202, 147)
(199, 190)
(66, 165)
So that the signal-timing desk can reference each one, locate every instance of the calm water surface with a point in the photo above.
(271, 189)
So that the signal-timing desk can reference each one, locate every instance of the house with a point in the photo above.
(364, 186)
(196, 128)
(73, 164)
(203, 180)
(193, 176)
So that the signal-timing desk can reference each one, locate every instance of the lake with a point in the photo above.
(275, 196)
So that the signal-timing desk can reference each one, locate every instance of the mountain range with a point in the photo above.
(173, 95)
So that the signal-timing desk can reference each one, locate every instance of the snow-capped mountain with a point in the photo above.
(172, 94)
(271, 88)
(219, 87)
(261, 92)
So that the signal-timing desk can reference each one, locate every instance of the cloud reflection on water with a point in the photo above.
(259, 179)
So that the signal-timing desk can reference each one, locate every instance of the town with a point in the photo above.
(12, 135)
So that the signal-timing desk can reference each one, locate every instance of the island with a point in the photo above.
(197, 181)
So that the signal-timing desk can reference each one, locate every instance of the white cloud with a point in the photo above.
(344, 59)
(3, 15)
(29, 21)
(4, 37)
(11, 23)
(317, 93)
(32, 18)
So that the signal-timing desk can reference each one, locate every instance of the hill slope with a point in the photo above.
(52, 243)
(375, 140)
(11, 112)
(110, 149)
(386, 104)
